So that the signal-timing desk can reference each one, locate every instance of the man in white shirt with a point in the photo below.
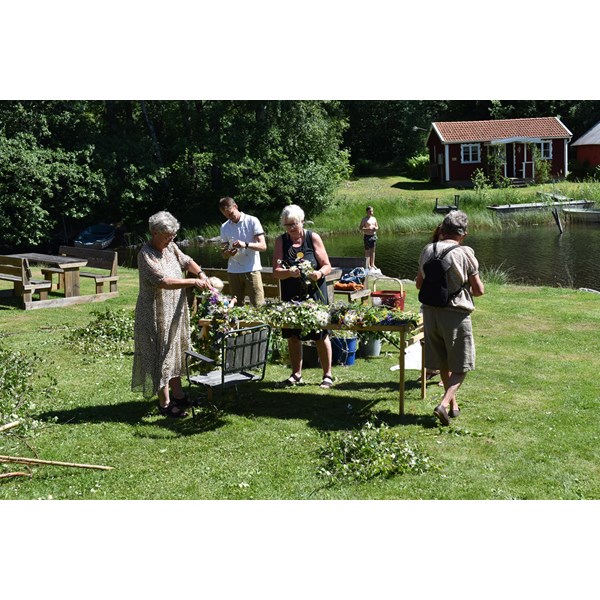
(244, 239)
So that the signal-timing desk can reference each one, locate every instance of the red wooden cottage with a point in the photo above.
(458, 148)
(587, 147)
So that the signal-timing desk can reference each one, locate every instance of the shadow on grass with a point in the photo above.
(321, 409)
(421, 186)
(142, 413)
(130, 412)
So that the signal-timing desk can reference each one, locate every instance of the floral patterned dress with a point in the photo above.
(162, 320)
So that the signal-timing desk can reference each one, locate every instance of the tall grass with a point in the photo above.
(495, 275)
(404, 205)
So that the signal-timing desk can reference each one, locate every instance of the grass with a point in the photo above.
(528, 427)
(406, 206)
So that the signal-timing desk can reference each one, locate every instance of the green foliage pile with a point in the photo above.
(108, 334)
(369, 452)
(20, 374)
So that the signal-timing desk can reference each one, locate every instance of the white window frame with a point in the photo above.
(546, 150)
(470, 150)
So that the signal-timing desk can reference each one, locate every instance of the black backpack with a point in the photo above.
(434, 290)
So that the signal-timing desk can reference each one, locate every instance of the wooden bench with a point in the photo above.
(106, 260)
(17, 271)
(346, 264)
(270, 283)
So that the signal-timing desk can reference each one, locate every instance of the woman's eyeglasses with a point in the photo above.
(291, 224)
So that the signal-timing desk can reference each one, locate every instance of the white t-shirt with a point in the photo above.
(246, 230)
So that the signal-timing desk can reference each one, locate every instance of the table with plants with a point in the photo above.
(215, 315)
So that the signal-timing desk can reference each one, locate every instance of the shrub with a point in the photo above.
(417, 166)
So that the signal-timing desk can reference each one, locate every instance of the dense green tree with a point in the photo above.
(122, 160)
(391, 131)
(577, 115)
(39, 187)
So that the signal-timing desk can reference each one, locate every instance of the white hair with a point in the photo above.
(293, 212)
(163, 222)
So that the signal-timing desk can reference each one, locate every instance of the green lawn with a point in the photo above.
(528, 427)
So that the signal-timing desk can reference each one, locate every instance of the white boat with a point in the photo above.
(511, 208)
(587, 215)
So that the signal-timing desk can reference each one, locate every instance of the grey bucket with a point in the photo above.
(370, 346)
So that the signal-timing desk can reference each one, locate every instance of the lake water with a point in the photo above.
(537, 255)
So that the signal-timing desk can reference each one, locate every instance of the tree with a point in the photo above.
(391, 131)
(38, 186)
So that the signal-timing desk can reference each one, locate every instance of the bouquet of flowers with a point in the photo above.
(306, 268)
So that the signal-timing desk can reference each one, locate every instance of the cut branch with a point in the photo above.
(8, 426)
(15, 474)
(38, 461)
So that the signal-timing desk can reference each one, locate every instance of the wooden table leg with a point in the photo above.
(423, 372)
(402, 370)
(71, 281)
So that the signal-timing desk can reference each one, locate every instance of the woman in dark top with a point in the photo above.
(291, 249)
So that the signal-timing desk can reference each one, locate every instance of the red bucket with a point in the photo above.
(391, 298)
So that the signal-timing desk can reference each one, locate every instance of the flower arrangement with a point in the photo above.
(355, 314)
(210, 301)
(306, 316)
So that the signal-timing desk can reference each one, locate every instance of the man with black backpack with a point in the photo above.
(447, 281)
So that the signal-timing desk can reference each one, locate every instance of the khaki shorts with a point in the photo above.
(449, 342)
(247, 284)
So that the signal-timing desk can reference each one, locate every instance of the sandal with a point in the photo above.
(429, 375)
(183, 402)
(291, 381)
(172, 410)
(327, 382)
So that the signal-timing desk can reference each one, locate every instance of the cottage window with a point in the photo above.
(546, 149)
(470, 153)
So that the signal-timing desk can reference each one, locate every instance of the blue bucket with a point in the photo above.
(343, 351)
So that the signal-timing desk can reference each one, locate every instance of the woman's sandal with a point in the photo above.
(172, 410)
(327, 382)
(183, 402)
(429, 375)
(291, 381)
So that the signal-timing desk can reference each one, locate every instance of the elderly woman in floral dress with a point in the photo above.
(300, 261)
(162, 319)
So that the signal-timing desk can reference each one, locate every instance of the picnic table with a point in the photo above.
(68, 264)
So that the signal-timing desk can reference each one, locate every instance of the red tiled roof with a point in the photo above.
(486, 131)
